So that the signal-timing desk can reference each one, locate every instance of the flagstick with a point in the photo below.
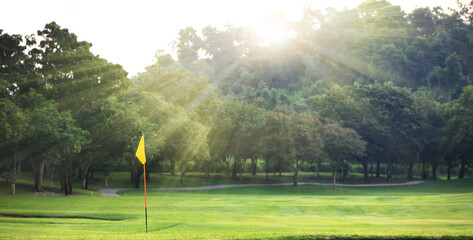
(140, 154)
(146, 209)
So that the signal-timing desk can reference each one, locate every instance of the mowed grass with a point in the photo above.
(442, 209)
(122, 179)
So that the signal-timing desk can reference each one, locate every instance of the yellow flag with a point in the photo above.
(140, 152)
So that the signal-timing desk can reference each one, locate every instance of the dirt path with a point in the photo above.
(112, 192)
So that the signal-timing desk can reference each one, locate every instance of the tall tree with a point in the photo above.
(340, 143)
(14, 131)
(306, 139)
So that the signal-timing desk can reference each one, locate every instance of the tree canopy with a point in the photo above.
(371, 85)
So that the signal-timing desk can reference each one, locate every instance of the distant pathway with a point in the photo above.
(112, 192)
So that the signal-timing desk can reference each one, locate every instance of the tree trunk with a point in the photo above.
(182, 177)
(449, 169)
(171, 170)
(462, 170)
(12, 189)
(87, 180)
(318, 169)
(365, 168)
(13, 175)
(371, 168)
(69, 181)
(334, 177)
(14, 169)
(378, 168)
(434, 172)
(296, 173)
(388, 173)
(85, 173)
(38, 175)
(241, 165)
(50, 169)
(66, 192)
(241, 170)
(234, 169)
(410, 174)
(254, 163)
(106, 180)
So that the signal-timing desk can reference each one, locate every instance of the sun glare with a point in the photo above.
(272, 30)
(269, 34)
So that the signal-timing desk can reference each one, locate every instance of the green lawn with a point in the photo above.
(122, 179)
(441, 209)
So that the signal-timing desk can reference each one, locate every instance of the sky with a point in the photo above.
(130, 32)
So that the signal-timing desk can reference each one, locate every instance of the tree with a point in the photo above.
(79, 82)
(432, 141)
(349, 107)
(340, 143)
(278, 139)
(459, 115)
(448, 81)
(188, 46)
(17, 74)
(388, 64)
(248, 121)
(45, 126)
(15, 69)
(14, 131)
(306, 139)
(422, 20)
(237, 135)
(220, 136)
(69, 146)
(186, 145)
(399, 123)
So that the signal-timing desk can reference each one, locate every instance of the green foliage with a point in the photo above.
(384, 87)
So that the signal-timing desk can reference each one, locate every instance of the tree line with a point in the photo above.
(370, 85)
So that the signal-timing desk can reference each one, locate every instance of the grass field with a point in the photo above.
(122, 180)
(442, 209)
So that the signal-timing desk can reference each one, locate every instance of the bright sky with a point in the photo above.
(130, 32)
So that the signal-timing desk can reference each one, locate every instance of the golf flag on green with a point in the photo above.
(140, 154)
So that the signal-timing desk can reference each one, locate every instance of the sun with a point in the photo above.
(269, 34)
(271, 30)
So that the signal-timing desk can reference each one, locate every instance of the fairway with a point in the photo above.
(440, 209)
